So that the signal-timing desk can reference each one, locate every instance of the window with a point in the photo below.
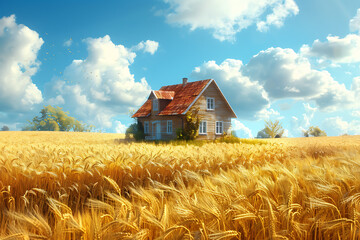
(210, 103)
(146, 127)
(169, 126)
(202, 127)
(219, 128)
(155, 105)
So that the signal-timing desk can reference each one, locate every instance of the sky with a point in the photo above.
(293, 61)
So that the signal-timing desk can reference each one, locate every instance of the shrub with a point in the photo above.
(135, 130)
(191, 126)
(5, 128)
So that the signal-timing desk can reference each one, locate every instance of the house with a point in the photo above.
(164, 111)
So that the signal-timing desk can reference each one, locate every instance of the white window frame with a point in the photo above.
(220, 127)
(202, 127)
(155, 104)
(169, 126)
(146, 127)
(210, 102)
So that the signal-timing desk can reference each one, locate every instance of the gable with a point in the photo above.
(213, 91)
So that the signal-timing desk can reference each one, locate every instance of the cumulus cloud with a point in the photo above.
(227, 17)
(148, 46)
(240, 127)
(338, 126)
(102, 85)
(245, 96)
(119, 127)
(19, 48)
(355, 22)
(286, 74)
(280, 11)
(275, 74)
(335, 49)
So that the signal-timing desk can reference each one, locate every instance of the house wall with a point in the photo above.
(177, 122)
(222, 112)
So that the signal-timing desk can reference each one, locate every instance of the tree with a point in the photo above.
(55, 119)
(314, 131)
(5, 128)
(262, 134)
(274, 129)
(191, 126)
(136, 130)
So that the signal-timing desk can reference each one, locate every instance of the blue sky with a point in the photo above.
(296, 61)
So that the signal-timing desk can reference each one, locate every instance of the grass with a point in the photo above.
(88, 186)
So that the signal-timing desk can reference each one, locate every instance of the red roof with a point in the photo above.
(144, 110)
(164, 94)
(184, 96)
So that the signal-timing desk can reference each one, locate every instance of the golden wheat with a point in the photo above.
(57, 185)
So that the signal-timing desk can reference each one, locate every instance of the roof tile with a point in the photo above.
(164, 94)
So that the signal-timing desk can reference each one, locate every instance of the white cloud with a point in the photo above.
(58, 100)
(227, 17)
(286, 133)
(355, 22)
(298, 126)
(102, 85)
(355, 113)
(309, 114)
(19, 47)
(245, 96)
(266, 114)
(338, 126)
(276, 74)
(335, 49)
(240, 127)
(68, 42)
(120, 128)
(148, 46)
(286, 74)
(277, 17)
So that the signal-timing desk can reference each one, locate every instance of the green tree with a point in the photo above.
(135, 130)
(274, 129)
(55, 119)
(191, 126)
(5, 128)
(314, 131)
(262, 134)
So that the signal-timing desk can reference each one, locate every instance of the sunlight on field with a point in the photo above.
(92, 186)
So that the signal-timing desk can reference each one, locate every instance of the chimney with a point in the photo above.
(185, 81)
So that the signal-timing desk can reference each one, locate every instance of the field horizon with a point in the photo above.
(64, 185)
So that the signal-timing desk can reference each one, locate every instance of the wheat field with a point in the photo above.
(56, 185)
